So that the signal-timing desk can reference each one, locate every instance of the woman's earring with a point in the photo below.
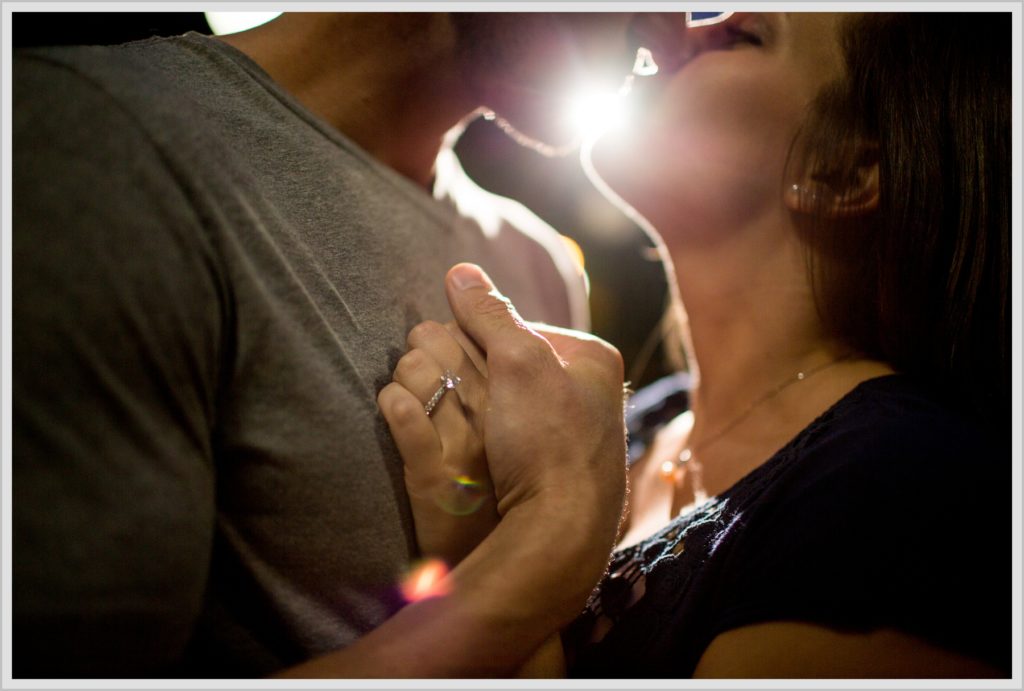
(806, 197)
(809, 198)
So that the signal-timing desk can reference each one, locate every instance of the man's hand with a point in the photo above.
(554, 428)
(555, 442)
(446, 473)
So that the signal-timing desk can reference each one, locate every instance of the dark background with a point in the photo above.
(627, 287)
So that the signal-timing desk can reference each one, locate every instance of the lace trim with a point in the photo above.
(625, 584)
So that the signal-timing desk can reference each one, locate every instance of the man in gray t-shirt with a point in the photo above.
(218, 248)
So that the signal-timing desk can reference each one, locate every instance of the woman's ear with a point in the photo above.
(833, 195)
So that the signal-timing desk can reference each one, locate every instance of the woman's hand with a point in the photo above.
(446, 474)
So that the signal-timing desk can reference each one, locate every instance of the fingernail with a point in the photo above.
(468, 276)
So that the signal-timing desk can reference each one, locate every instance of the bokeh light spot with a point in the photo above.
(426, 579)
(461, 496)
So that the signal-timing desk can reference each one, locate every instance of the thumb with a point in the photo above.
(481, 311)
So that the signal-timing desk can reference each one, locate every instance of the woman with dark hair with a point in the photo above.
(833, 193)
(931, 91)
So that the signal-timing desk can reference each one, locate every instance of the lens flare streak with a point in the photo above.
(461, 496)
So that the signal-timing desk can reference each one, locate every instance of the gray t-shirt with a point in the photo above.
(210, 287)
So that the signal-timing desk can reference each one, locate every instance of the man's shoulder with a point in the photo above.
(159, 81)
(112, 68)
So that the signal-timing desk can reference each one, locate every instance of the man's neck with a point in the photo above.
(389, 82)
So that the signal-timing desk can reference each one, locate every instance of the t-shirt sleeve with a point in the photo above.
(884, 528)
(116, 337)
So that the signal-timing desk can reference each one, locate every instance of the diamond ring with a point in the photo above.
(449, 381)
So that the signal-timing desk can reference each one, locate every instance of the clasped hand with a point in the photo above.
(535, 424)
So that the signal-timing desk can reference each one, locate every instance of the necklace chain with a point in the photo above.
(670, 469)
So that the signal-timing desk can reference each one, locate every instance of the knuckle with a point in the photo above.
(522, 357)
(386, 396)
(405, 409)
(422, 332)
(398, 404)
(410, 365)
(611, 356)
(605, 355)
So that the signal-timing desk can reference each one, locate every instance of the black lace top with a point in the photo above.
(890, 510)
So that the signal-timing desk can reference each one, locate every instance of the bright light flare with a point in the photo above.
(426, 580)
(591, 113)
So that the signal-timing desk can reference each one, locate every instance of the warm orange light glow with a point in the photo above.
(426, 580)
(668, 471)
(576, 251)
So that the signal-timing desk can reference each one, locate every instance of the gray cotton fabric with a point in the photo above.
(210, 286)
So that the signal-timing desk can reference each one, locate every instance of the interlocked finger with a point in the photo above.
(458, 357)
(450, 468)
(472, 351)
(449, 380)
(431, 383)
(414, 434)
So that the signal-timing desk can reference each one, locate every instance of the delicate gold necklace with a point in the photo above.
(673, 471)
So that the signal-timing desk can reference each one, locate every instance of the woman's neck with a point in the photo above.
(753, 328)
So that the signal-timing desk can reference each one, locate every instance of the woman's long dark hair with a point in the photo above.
(923, 282)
